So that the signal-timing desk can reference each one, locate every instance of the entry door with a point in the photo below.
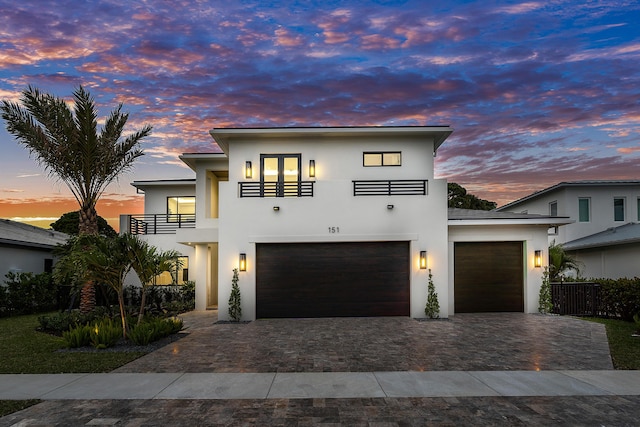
(280, 175)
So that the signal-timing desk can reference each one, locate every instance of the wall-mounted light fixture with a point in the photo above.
(276, 208)
(312, 168)
(389, 207)
(423, 260)
(242, 264)
(248, 172)
(537, 259)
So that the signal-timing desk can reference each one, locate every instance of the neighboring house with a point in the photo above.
(27, 249)
(340, 221)
(604, 235)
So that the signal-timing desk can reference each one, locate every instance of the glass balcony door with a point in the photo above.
(280, 175)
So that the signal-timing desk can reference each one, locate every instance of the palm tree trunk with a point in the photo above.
(88, 224)
(143, 301)
(87, 298)
(123, 315)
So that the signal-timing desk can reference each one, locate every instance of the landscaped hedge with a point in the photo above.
(26, 293)
(620, 297)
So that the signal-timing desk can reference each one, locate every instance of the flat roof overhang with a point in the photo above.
(223, 136)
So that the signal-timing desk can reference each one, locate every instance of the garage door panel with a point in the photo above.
(488, 277)
(332, 279)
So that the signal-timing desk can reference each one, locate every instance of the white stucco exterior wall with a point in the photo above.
(421, 220)
(533, 237)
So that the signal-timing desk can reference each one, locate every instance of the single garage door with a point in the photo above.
(332, 279)
(488, 277)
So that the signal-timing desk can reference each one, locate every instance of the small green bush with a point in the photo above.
(58, 323)
(105, 333)
(235, 305)
(79, 336)
(153, 329)
(545, 303)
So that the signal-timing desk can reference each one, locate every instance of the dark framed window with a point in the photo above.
(553, 208)
(618, 209)
(280, 174)
(177, 206)
(381, 158)
(584, 209)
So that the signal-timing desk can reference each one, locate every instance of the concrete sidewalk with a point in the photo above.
(301, 385)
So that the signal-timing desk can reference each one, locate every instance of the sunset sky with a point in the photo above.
(537, 92)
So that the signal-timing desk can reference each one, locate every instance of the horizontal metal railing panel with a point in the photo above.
(393, 187)
(160, 223)
(276, 189)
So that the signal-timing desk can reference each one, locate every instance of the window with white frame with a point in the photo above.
(584, 209)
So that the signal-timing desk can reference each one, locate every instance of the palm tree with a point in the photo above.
(70, 147)
(107, 261)
(149, 263)
(560, 262)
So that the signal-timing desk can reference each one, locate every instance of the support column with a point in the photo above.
(201, 275)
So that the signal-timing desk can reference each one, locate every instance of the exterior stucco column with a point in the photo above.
(201, 277)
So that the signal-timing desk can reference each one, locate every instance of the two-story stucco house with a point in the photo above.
(340, 221)
(604, 234)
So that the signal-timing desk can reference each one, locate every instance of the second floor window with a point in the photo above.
(179, 206)
(553, 208)
(378, 158)
(584, 207)
(618, 209)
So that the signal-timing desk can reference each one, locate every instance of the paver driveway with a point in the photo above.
(496, 341)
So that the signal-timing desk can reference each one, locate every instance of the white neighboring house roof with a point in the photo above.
(623, 234)
(19, 234)
(479, 217)
(142, 185)
(567, 184)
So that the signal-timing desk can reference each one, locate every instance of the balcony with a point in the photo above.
(158, 223)
(397, 187)
(276, 189)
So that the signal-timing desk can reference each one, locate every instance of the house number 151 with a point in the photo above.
(334, 230)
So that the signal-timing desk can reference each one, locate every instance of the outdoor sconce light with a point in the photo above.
(312, 168)
(423, 260)
(276, 208)
(389, 207)
(248, 173)
(242, 265)
(537, 259)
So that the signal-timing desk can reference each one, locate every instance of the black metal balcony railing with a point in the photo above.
(395, 187)
(276, 189)
(160, 223)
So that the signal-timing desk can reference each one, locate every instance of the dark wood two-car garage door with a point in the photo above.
(332, 279)
(488, 277)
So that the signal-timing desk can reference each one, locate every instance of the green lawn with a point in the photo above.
(23, 350)
(624, 348)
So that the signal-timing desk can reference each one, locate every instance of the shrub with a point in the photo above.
(621, 297)
(545, 303)
(105, 333)
(432, 308)
(79, 336)
(235, 307)
(153, 329)
(26, 293)
(58, 323)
